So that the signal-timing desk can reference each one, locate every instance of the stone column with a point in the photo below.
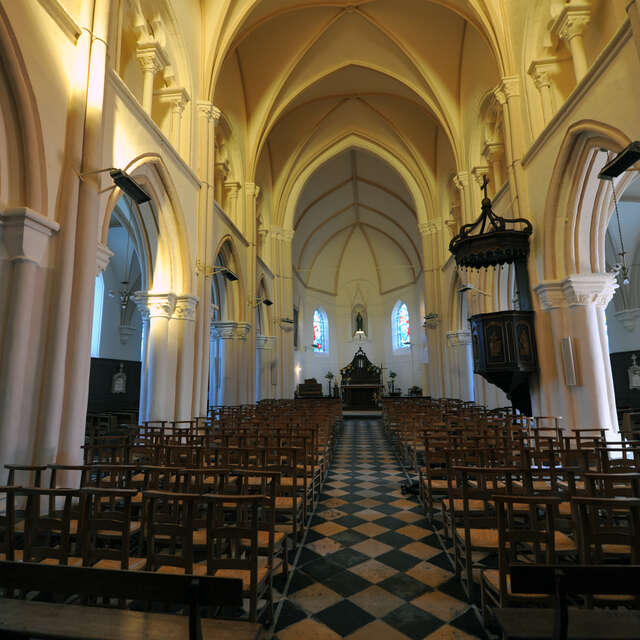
(152, 59)
(223, 332)
(539, 71)
(493, 152)
(252, 192)
(508, 95)
(232, 189)
(433, 244)
(177, 100)
(462, 358)
(569, 26)
(182, 330)
(156, 309)
(576, 307)
(24, 235)
(264, 345)
(283, 289)
(244, 362)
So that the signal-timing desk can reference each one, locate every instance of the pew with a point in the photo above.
(571, 623)
(22, 618)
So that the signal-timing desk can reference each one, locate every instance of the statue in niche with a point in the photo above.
(634, 373)
(119, 381)
(359, 321)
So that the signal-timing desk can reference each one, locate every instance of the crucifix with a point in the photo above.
(483, 186)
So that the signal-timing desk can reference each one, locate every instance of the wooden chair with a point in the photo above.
(8, 525)
(47, 533)
(107, 529)
(232, 522)
(523, 536)
(169, 520)
(31, 471)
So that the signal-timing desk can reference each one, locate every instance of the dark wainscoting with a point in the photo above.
(101, 398)
(625, 397)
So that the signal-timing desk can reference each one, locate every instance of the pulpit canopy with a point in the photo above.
(361, 370)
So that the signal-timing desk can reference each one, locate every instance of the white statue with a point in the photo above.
(119, 381)
(634, 373)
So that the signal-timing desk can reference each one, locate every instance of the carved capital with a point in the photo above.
(151, 57)
(283, 234)
(241, 331)
(539, 72)
(508, 87)
(459, 338)
(177, 98)
(155, 305)
(265, 342)
(208, 110)
(103, 255)
(461, 180)
(493, 151)
(222, 330)
(571, 21)
(252, 189)
(233, 188)
(479, 172)
(125, 333)
(551, 294)
(589, 289)
(25, 234)
(430, 227)
(185, 308)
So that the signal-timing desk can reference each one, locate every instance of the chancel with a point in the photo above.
(320, 319)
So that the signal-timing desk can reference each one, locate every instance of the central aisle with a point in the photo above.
(372, 568)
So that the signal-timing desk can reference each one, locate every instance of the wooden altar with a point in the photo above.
(361, 383)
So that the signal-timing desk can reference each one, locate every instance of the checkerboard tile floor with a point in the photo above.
(371, 567)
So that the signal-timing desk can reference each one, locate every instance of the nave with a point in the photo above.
(372, 568)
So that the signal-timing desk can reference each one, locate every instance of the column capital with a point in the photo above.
(176, 97)
(571, 21)
(155, 305)
(241, 331)
(539, 72)
(265, 342)
(551, 294)
(25, 234)
(461, 180)
(103, 255)
(493, 151)
(283, 234)
(252, 189)
(222, 329)
(458, 338)
(589, 289)
(479, 172)
(508, 87)
(185, 308)
(208, 110)
(430, 227)
(232, 187)
(151, 56)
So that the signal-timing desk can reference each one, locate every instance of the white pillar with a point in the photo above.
(156, 309)
(493, 152)
(540, 73)
(25, 236)
(462, 358)
(252, 192)
(569, 26)
(177, 99)
(152, 59)
(182, 325)
(231, 205)
(223, 331)
(264, 345)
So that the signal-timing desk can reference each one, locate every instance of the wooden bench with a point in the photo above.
(28, 618)
(570, 623)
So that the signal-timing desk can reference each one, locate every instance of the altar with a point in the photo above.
(361, 383)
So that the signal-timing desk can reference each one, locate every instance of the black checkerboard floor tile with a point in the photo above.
(372, 567)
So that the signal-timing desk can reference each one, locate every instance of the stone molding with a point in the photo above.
(265, 342)
(242, 330)
(430, 227)
(103, 255)
(539, 72)
(577, 290)
(222, 329)
(151, 56)
(283, 234)
(232, 187)
(628, 318)
(208, 110)
(25, 234)
(125, 332)
(185, 308)
(155, 305)
(252, 189)
(459, 338)
(508, 87)
(493, 151)
(461, 180)
(177, 98)
(479, 172)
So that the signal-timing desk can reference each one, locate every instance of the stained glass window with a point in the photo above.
(320, 332)
(401, 326)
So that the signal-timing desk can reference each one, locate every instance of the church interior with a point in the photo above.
(321, 319)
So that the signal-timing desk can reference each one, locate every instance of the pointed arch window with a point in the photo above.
(401, 327)
(320, 331)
